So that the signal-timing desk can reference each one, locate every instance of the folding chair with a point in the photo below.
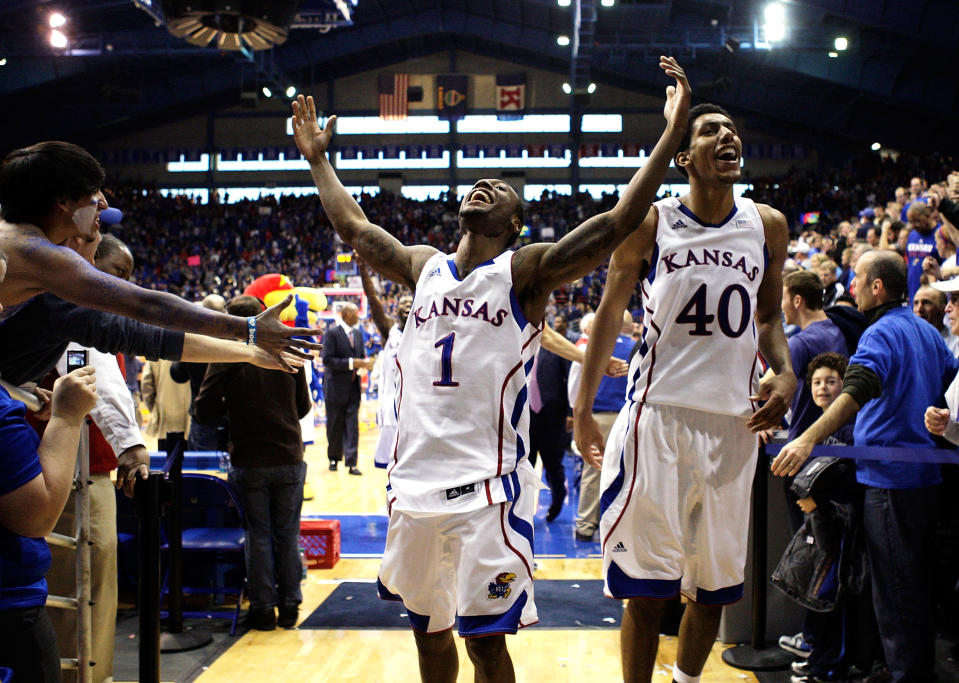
(212, 520)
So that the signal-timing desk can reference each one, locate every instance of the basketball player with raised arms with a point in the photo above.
(461, 491)
(677, 477)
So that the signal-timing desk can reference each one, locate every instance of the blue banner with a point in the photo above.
(451, 90)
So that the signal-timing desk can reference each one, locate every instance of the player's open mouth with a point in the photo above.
(728, 154)
(480, 195)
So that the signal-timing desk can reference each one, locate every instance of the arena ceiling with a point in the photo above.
(896, 83)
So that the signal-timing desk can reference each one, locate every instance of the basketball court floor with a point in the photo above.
(370, 654)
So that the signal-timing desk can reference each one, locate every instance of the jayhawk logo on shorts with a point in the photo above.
(499, 588)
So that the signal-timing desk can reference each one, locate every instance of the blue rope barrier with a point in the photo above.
(880, 453)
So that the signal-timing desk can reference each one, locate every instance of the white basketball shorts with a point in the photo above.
(675, 502)
(477, 566)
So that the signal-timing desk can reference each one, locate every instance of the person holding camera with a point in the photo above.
(35, 478)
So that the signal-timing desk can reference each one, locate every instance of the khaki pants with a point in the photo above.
(587, 513)
(62, 579)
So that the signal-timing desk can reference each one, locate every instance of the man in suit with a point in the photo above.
(343, 355)
(549, 407)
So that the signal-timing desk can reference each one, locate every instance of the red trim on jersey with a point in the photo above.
(389, 507)
(399, 403)
(502, 524)
(632, 482)
(502, 412)
(752, 374)
(532, 337)
(652, 357)
(489, 495)
(502, 418)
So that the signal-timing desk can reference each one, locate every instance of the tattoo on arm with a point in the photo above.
(597, 239)
(375, 247)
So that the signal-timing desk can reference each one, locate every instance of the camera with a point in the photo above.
(76, 359)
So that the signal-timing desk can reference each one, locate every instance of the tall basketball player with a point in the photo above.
(461, 492)
(676, 479)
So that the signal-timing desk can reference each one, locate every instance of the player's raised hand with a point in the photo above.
(273, 336)
(678, 96)
(589, 439)
(311, 140)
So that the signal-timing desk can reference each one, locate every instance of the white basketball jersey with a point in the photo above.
(462, 413)
(389, 377)
(700, 342)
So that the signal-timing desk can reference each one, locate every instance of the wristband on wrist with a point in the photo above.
(251, 330)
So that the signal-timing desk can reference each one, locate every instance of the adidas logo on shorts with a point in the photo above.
(619, 548)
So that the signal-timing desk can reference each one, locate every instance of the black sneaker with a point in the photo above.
(800, 667)
(261, 619)
(288, 616)
(356, 471)
(584, 538)
(333, 466)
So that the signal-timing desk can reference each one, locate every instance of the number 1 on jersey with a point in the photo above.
(446, 361)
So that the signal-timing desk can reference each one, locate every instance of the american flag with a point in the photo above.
(393, 103)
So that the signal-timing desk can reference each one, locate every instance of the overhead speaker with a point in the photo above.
(230, 24)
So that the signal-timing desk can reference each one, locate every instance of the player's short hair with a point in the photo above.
(889, 267)
(806, 284)
(834, 361)
(695, 113)
(33, 178)
(244, 306)
(110, 245)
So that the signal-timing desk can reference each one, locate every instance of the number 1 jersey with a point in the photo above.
(699, 346)
(461, 403)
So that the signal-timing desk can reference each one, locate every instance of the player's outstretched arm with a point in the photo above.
(581, 250)
(198, 348)
(790, 459)
(628, 264)
(66, 274)
(556, 343)
(382, 321)
(778, 388)
(385, 254)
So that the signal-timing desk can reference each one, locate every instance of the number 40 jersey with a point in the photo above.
(699, 345)
(461, 404)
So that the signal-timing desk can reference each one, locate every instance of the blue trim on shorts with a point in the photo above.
(622, 586)
(384, 593)
(419, 622)
(722, 596)
(616, 485)
(489, 624)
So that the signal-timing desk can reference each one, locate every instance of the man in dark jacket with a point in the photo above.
(267, 472)
(343, 355)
